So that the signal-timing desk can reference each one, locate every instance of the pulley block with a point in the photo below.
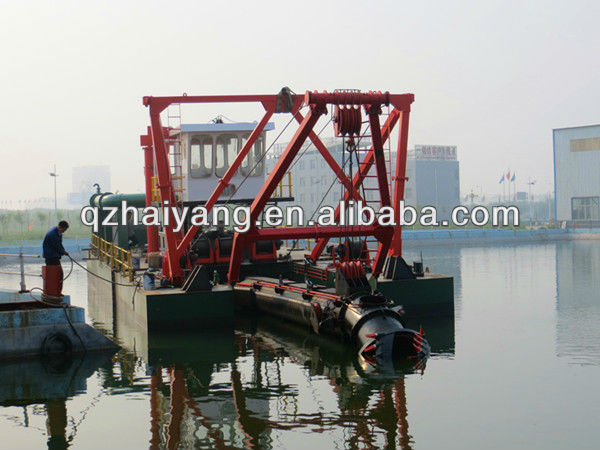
(347, 120)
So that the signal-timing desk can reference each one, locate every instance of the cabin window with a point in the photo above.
(252, 161)
(226, 151)
(201, 156)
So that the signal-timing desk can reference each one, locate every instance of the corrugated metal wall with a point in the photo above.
(577, 172)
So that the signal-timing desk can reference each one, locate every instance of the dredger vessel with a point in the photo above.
(358, 288)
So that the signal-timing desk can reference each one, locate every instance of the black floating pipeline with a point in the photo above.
(369, 321)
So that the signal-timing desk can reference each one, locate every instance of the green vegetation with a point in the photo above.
(17, 225)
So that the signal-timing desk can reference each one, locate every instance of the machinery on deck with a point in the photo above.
(232, 153)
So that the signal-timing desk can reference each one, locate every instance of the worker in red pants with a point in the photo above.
(53, 248)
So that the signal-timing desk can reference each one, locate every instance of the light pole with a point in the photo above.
(481, 199)
(529, 184)
(54, 175)
(472, 196)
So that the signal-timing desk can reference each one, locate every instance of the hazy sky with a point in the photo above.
(492, 77)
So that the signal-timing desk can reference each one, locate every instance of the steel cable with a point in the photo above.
(326, 193)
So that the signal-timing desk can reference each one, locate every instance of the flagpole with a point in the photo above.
(514, 180)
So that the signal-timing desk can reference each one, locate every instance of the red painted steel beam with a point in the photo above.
(329, 159)
(161, 103)
(377, 150)
(316, 232)
(364, 168)
(283, 163)
(347, 98)
(151, 231)
(384, 189)
(400, 181)
(242, 240)
(165, 186)
(399, 101)
(224, 182)
(402, 102)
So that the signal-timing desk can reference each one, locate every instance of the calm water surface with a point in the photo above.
(519, 368)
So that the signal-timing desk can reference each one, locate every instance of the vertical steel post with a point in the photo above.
(22, 266)
(400, 181)
(151, 231)
(167, 195)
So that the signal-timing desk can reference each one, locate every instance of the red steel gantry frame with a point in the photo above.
(390, 240)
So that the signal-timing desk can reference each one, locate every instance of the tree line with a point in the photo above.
(33, 224)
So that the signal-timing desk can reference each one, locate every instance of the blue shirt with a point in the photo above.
(52, 245)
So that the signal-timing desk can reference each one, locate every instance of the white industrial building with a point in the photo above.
(432, 172)
(433, 178)
(313, 181)
(577, 174)
(83, 180)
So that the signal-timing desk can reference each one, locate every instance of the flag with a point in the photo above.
(501, 179)
(31, 225)
(513, 177)
(508, 175)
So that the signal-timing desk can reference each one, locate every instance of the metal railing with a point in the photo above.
(178, 191)
(116, 257)
(21, 272)
(282, 185)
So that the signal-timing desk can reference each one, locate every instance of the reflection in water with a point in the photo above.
(241, 387)
(256, 384)
(265, 384)
(49, 382)
(578, 301)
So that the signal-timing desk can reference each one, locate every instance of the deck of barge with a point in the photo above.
(173, 308)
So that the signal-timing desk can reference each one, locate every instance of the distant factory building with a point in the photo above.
(313, 183)
(576, 177)
(433, 178)
(432, 171)
(83, 180)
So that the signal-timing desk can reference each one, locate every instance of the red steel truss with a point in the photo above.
(390, 241)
